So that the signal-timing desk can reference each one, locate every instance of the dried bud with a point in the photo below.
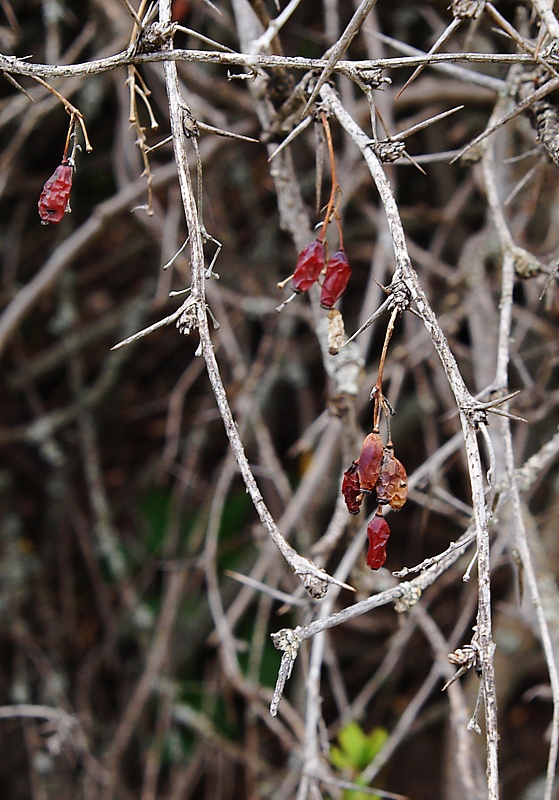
(467, 9)
(370, 461)
(378, 533)
(337, 276)
(53, 202)
(392, 486)
(336, 332)
(351, 489)
(388, 150)
(309, 266)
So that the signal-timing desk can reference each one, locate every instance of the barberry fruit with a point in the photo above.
(392, 486)
(378, 533)
(53, 202)
(336, 279)
(370, 461)
(310, 264)
(351, 489)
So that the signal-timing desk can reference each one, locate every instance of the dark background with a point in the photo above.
(121, 509)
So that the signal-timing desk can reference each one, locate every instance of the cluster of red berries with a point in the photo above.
(310, 265)
(376, 470)
(55, 197)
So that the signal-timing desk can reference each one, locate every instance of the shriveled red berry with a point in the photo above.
(309, 266)
(378, 533)
(351, 489)
(392, 485)
(336, 279)
(370, 461)
(53, 201)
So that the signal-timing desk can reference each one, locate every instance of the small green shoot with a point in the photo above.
(355, 752)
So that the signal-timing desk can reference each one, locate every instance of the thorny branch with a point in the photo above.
(314, 579)
(15, 66)
(471, 420)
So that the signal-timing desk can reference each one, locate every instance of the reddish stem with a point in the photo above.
(377, 390)
(335, 186)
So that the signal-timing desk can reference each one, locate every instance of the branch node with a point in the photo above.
(289, 641)
(409, 597)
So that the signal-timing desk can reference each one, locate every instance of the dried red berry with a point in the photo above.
(378, 533)
(370, 461)
(309, 266)
(351, 489)
(53, 201)
(392, 486)
(336, 279)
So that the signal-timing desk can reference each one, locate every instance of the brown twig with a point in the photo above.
(75, 113)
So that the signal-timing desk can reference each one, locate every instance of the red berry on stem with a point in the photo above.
(337, 276)
(351, 489)
(309, 266)
(53, 201)
(370, 461)
(378, 533)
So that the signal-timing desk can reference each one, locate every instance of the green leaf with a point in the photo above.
(357, 749)
(353, 741)
(375, 742)
(340, 759)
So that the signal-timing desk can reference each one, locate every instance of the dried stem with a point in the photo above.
(470, 420)
(315, 579)
(16, 66)
(335, 190)
(75, 113)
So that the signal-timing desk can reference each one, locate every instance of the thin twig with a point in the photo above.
(470, 420)
(337, 51)
(16, 66)
(315, 579)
